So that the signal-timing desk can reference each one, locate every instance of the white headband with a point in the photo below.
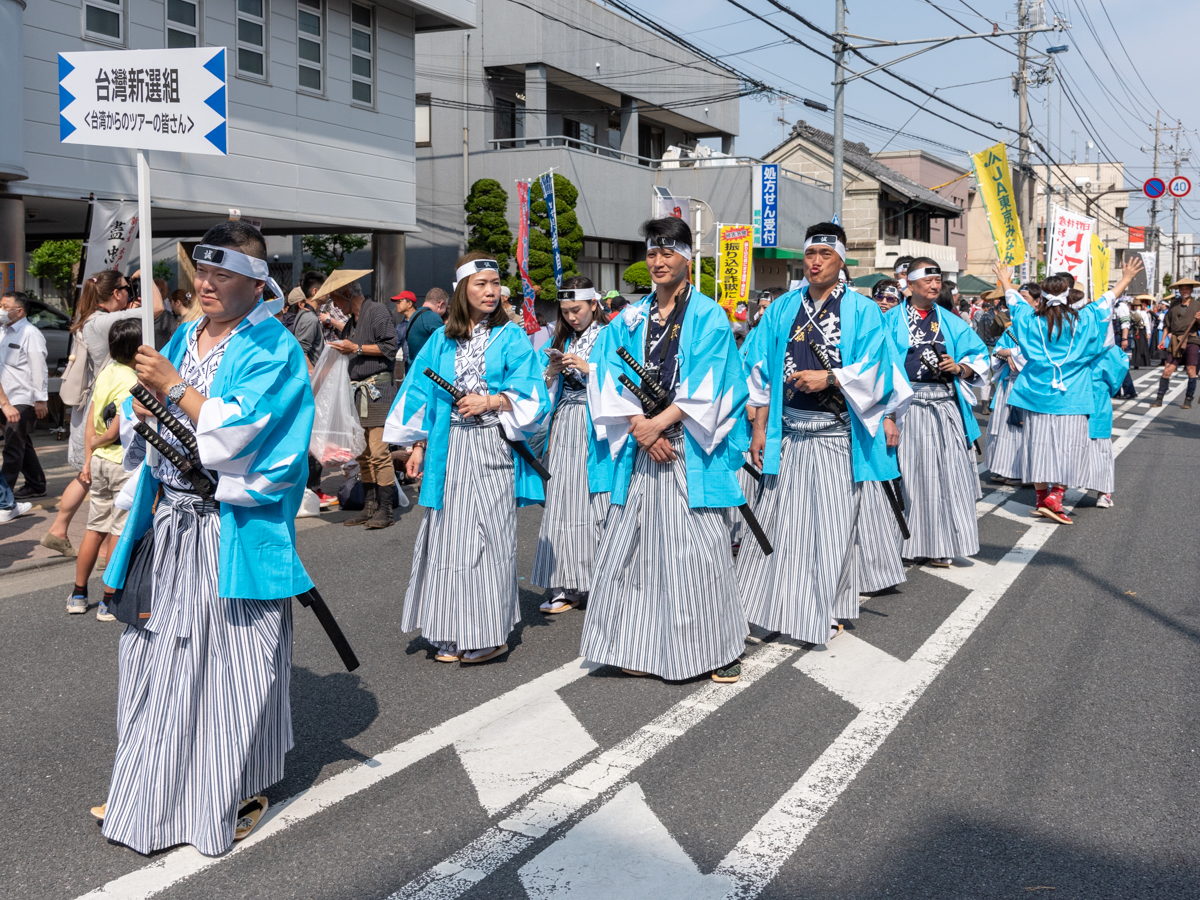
(577, 294)
(827, 240)
(1055, 299)
(669, 244)
(925, 272)
(235, 261)
(476, 265)
(901, 269)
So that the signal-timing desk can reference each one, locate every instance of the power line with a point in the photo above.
(1128, 57)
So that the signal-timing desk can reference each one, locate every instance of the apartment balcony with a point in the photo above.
(616, 188)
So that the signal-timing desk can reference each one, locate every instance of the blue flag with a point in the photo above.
(548, 192)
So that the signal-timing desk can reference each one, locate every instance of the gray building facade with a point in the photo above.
(574, 87)
(321, 98)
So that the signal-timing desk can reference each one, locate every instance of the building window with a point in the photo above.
(362, 54)
(252, 38)
(183, 23)
(104, 20)
(510, 120)
(579, 131)
(1121, 214)
(651, 142)
(423, 137)
(310, 44)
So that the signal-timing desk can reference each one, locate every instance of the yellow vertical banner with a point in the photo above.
(1100, 266)
(994, 178)
(733, 267)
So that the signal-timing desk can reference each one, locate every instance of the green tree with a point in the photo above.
(57, 261)
(637, 276)
(570, 235)
(162, 269)
(487, 214)
(328, 251)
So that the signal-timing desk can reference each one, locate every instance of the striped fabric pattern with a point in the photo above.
(809, 511)
(879, 541)
(664, 599)
(463, 585)
(1056, 449)
(941, 483)
(1099, 469)
(738, 532)
(1005, 444)
(574, 518)
(203, 715)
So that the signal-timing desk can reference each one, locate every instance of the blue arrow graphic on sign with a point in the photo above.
(216, 100)
(65, 98)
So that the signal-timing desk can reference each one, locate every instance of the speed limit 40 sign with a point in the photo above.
(1179, 186)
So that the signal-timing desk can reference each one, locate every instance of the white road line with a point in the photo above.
(815, 792)
(759, 856)
(183, 863)
(562, 801)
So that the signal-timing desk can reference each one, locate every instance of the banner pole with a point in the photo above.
(83, 254)
(146, 254)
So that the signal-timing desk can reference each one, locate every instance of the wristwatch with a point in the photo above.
(358, 349)
(830, 380)
(175, 394)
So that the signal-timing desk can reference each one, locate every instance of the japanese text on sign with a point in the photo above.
(733, 269)
(1071, 245)
(765, 212)
(994, 178)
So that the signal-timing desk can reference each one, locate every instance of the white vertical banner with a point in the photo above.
(111, 240)
(1071, 245)
(1150, 261)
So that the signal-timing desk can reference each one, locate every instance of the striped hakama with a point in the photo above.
(574, 518)
(941, 483)
(879, 542)
(203, 713)
(1005, 443)
(809, 511)
(1099, 470)
(463, 585)
(738, 531)
(664, 598)
(1055, 450)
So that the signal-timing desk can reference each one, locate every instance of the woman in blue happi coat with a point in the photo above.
(580, 465)
(942, 359)
(1006, 426)
(1055, 386)
(817, 437)
(462, 591)
(1108, 374)
(664, 598)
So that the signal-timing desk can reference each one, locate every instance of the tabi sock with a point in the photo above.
(1041, 496)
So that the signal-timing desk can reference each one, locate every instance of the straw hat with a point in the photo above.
(339, 278)
(994, 294)
(1146, 297)
(1185, 282)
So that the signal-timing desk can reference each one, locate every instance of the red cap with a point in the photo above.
(406, 295)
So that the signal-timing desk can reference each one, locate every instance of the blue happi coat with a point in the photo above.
(1108, 373)
(421, 410)
(253, 432)
(1064, 358)
(865, 377)
(963, 345)
(711, 393)
(600, 463)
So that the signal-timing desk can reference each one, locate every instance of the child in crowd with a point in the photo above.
(103, 468)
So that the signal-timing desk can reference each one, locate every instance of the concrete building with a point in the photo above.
(321, 103)
(888, 212)
(574, 87)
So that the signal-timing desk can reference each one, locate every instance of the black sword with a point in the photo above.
(521, 448)
(654, 399)
(889, 491)
(831, 398)
(190, 469)
(313, 600)
(182, 433)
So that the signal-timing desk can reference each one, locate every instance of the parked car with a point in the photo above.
(55, 327)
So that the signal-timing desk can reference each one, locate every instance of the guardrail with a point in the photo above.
(687, 162)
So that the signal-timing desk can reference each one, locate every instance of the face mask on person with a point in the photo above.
(5, 318)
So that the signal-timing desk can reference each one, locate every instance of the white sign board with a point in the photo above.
(765, 205)
(145, 99)
(1071, 245)
(111, 242)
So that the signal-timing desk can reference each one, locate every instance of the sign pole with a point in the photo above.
(146, 254)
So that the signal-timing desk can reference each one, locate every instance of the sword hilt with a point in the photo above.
(192, 471)
(650, 385)
(182, 433)
(446, 386)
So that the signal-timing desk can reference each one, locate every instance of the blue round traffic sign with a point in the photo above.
(1154, 188)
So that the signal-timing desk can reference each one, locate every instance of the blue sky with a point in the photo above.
(1118, 108)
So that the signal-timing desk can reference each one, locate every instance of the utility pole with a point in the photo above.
(1024, 186)
(1181, 156)
(1154, 200)
(1050, 73)
(839, 107)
